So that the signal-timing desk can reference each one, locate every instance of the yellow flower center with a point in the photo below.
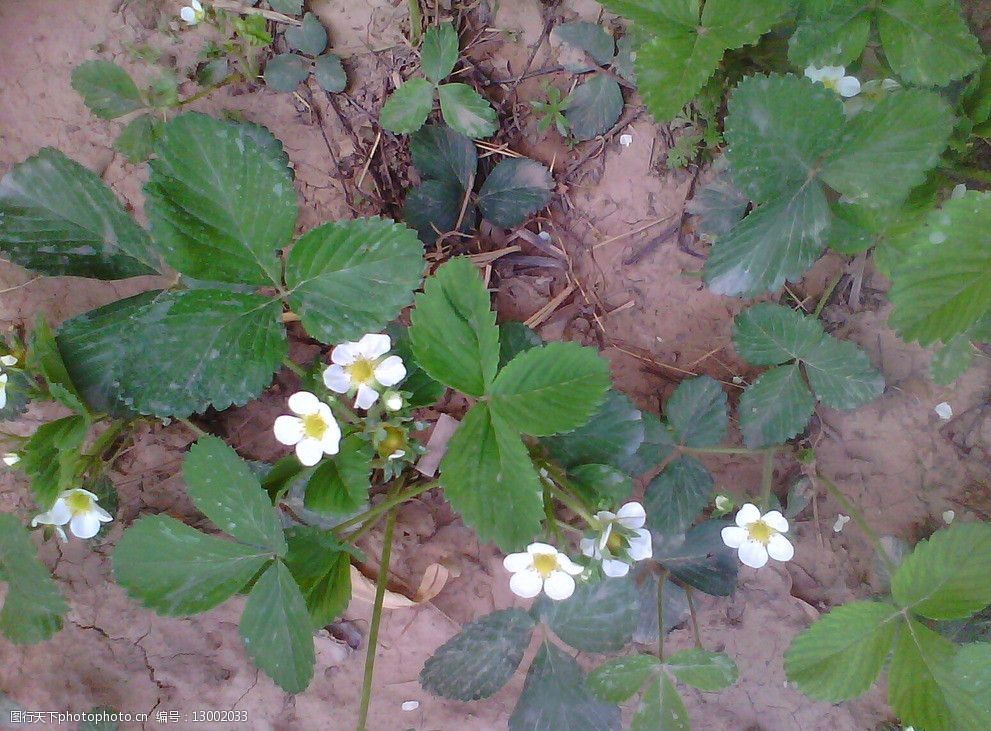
(760, 531)
(362, 371)
(79, 502)
(394, 440)
(831, 84)
(545, 564)
(614, 542)
(314, 426)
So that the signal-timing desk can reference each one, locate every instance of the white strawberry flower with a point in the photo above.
(621, 539)
(758, 537)
(78, 508)
(193, 13)
(313, 430)
(11, 458)
(363, 368)
(835, 78)
(541, 567)
(8, 361)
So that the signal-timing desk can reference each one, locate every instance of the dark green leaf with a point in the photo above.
(770, 334)
(33, 608)
(594, 107)
(17, 387)
(601, 483)
(309, 38)
(612, 436)
(719, 206)
(330, 74)
(423, 390)
(285, 71)
(467, 112)
(516, 188)
(136, 141)
(598, 617)
(841, 374)
(439, 153)
(972, 668)
(775, 407)
(322, 568)
(617, 680)
(407, 109)
(589, 38)
(656, 447)
(700, 558)
(515, 338)
(340, 484)
(698, 412)
(108, 90)
(439, 51)
(830, 33)
(289, 7)
(702, 669)
(433, 208)
(674, 499)
(45, 358)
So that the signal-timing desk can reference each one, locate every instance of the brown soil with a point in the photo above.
(635, 296)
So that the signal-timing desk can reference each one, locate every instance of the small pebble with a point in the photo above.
(626, 140)
(410, 705)
(841, 520)
(944, 411)
(948, 516)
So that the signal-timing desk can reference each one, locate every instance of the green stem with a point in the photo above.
(569, 527)
(384, 506)
(209, 90)
(572, 502)
(193, 428)
(660, 613)
(690, 596)
(826, 295)
(858, 518)
(294, 367)
(415, 22)
(767, 480)
(373, 633)
(727, 450)
(342, 409)
(102, 442)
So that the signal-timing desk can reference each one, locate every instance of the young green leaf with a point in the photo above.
(332, 268)
(329, 73)
(944, 576)
(617, 680)
(481, 658)
(106, 88)
(136, 141)
(58, 218)
(551, 389)
(439, 52)
(840, 656)
(611, 436)
(439, 153)
(224, 489)
(176, 570)
(661, 708)
(486, 467)
(321, 567)
(598, 617)
(33, 608)
(700, 558)
(407, 109)
(775, 407)
(340, 484)
(516, 188)
(770, 334)
(698, 412)
(675, 497)
(454, 335)
(285, 71)
(310, 37)
(594, 107)
(204, 202)
(276, 630)
(704, 670)
(554, 697)
(951, 361)
(467, 112)
(50, 458)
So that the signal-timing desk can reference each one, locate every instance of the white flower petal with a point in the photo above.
(631, 515)
(813, 73)
(604, 537)
(188, 14)
(588, 547)
(558, 585)
(776, 520)
(58, 515)
(304, 403)
(604, 516)
(374, 346)
(85, 525)
(753, 553)
(309, 451)
(734, 536)
(390, 371)
(8, 360)
(534, 548)
(197, 6)
(640, 545)
(345, 354)
(11, 458)
(848, 86)
(288, 429)
(614, 569)
(526, 584)
(516, 562)
(748, 514)
(337, 379)
(102, 515)
(366, 397)
(779, 548)
(331, 442)
(568, 566)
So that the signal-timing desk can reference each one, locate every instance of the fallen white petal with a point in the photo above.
(841, 520)
(626, 140)
(8, 360)
(188, 15)
(848, 86)
(944, 411)
(410, 705)
(948, 516)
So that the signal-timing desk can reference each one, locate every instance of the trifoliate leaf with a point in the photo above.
(33, 608)
(661, 708)
(487, 467)
(585, 37)
(106, 88)
(942, 286)
(702, 669)
(276, 631)
(594, 107)
(551, 389)
(310, 37)
(285, 71)
(927, 42)
(224, 489)
(340, 483)
(515, 189)
(840, 656)
(137, 140)
(332, 268)
(554, 697)
(941, 578)
(439, 52)
(617, 680)
(434, 207)
(675, 497)
(440, 153)
(698, 412)
(771, 334)
(611, 436)
(220, 205)
(830, 33)
(467, 112)
(481, 658)
(329, 73)
(700, 558)
(454, 335)
(176, 570)
(407, 109)
(321, 566)
(775, 407)
(58, 218)
(600, 483)
(951, 361)
(841, 374)
(598, 617)
(885, 152)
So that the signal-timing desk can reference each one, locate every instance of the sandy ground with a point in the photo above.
(632, 295)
